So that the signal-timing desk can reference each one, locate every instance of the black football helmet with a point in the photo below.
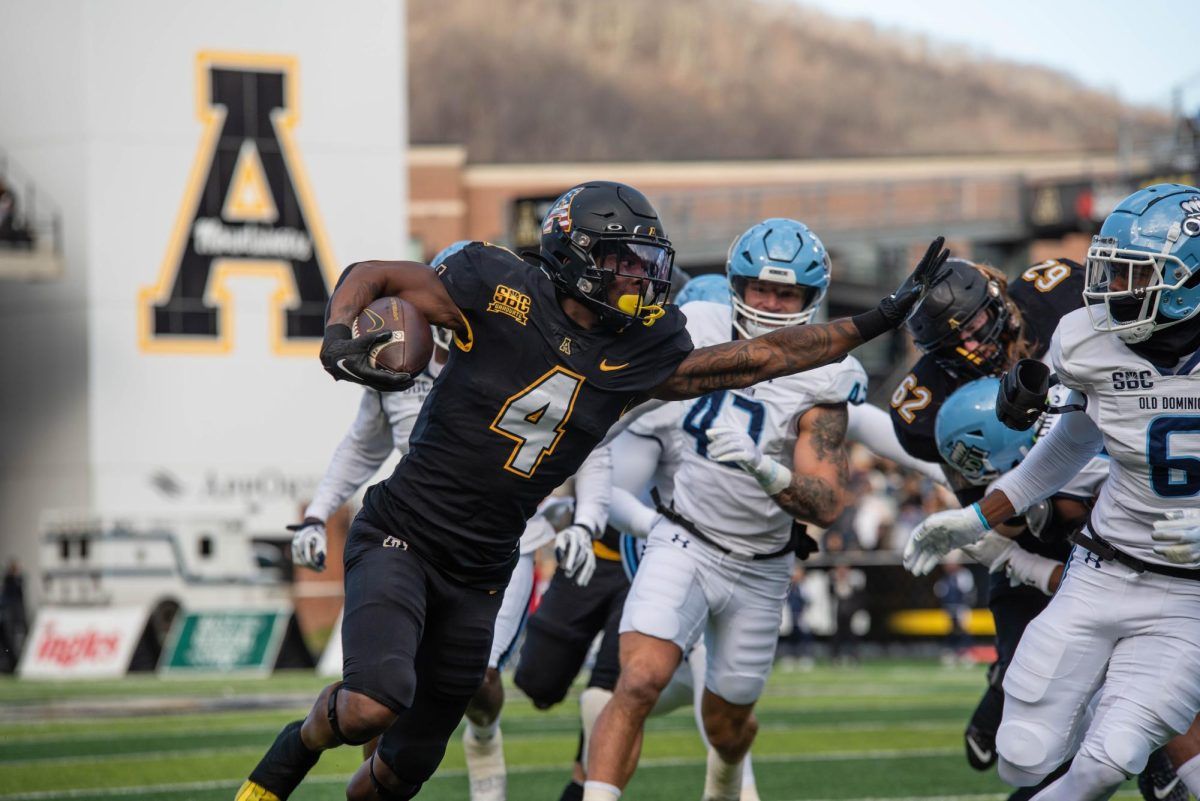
(598, 231)
(968, 305)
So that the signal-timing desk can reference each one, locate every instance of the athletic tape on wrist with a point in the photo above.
(773, 477)
(982, 519)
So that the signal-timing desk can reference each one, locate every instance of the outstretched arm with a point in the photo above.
(800, 347)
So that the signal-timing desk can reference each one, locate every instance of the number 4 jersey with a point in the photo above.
(524, 398)
(1150, 419)
(724, 501)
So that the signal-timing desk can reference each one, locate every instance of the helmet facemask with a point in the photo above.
(1130, 283)
(597, 261)
(751, 322)
(978, 345)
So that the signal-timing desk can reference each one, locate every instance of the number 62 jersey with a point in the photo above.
(1150, 420)
(523, 399)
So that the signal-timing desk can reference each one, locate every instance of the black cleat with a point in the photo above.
(981, 748)
(1159, 782)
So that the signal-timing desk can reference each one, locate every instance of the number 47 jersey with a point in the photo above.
(724, 501)
(524, 398)
(1150, 420)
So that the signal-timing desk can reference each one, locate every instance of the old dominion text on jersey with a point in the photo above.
(523, 399)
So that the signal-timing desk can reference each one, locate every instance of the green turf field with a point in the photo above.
(882, 731)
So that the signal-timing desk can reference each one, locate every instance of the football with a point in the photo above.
(411, 344)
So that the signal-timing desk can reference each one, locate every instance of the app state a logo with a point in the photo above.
(247, 210)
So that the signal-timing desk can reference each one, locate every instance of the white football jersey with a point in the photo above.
(1150, 420)
(661, 425)
(725, 502)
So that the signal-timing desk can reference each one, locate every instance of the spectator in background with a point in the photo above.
(12, 229)
(847, 588)
(13, 622)
(956, 590)
(795, 636)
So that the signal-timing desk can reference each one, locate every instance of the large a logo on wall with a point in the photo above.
(247, 210)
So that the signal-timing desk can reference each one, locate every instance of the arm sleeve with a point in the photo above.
(871, 426)
(629, 514)
(593, 490)
(1053, 462)
(365, 447)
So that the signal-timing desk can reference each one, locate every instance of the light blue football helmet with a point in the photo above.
(443, 337)
(711, 287)
(779, 250)
(972, 440)
(1144, 265)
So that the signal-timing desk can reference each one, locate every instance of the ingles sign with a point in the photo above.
(247, 210)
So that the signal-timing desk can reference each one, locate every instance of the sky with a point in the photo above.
(1138, 50)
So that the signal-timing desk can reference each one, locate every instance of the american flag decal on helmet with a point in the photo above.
(560, 212)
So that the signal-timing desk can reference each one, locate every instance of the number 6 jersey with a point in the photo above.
(1150, 419)
(524, 398)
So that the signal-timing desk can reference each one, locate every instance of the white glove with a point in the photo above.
(308, 544)
(573, 546)
(939, 534)
(733, 446)
(1030, 569)
(1178, 537)
(992, 551)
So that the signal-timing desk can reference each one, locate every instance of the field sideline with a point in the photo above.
(883, 731)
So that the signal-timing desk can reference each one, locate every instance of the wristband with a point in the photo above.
(773, 477)
(871, 324)
(982, 519)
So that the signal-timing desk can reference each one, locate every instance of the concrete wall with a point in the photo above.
(106, 105)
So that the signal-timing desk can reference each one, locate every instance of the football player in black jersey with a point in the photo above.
(976, 324)
(548, 354)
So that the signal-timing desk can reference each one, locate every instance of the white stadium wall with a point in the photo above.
(216, 166)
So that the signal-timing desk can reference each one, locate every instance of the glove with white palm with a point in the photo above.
(308, 544)
(939, 534)
(576, 557)
(734, 446)
(992, 551)
(1178, 536)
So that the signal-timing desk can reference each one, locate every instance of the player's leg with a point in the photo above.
(663, 616)
(741, 641)
(1151, 691)
(384, 588)
(1058, 666)
(1184, 754)
(482, 742)
(449, 667)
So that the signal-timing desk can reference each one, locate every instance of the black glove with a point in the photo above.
(347, 358)
(893, 310)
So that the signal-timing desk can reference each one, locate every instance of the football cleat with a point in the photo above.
(486, 773)
(1159, 782)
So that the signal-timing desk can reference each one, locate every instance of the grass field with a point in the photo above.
(881, 731)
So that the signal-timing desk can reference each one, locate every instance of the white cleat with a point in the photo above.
(486, 772)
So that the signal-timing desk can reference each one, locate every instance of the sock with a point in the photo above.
(1189, 774)
(722, 781)
(283, 767)
(483, 733)
(572, 792)
(600, 791)
(591, 703)
(747, 778)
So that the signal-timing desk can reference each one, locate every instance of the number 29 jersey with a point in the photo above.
(523, 399)
(1150, 420)
(724, 501)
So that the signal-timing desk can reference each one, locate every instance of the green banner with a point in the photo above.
(225, 641)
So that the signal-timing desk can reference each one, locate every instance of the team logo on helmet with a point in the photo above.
(1191, 223)
(560, 213)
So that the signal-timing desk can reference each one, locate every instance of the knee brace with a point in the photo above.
(331, 714)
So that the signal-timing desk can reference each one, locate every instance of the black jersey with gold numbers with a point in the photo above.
(524, 398)
(1043, 293)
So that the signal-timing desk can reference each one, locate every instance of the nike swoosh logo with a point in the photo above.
(341, 363)
(1162, 792)
(608, 368)
(980, 754)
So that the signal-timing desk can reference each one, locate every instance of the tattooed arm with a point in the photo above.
(801, 347)
(820, 470)
(366, 281)
(748, 361)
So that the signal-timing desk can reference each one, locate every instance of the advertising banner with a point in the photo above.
(82, 643)
(225, 640)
